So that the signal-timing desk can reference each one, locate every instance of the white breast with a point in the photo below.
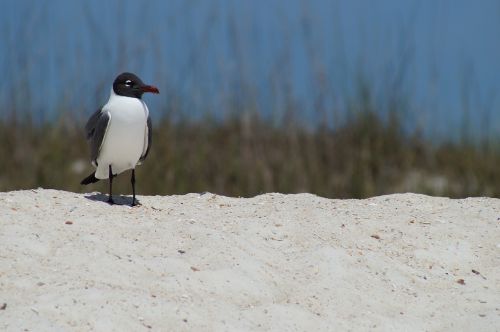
(123, 143)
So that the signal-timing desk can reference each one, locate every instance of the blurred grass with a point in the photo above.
(246, 156)
(230, 126)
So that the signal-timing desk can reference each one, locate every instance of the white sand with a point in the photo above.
(272, 262)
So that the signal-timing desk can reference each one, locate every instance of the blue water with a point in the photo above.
(442, 56)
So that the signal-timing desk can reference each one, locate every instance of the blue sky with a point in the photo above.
(441, 55)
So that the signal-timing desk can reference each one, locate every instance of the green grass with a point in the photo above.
(364, 157)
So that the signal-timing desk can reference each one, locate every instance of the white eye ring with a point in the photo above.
(128, 82)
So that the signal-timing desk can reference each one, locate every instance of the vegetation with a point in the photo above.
(247, 156)
(229, 119)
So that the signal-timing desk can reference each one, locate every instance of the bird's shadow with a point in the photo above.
(118, 199)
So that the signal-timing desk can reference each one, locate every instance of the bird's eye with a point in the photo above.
(128, 83)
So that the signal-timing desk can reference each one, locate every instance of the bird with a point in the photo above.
(120, 133)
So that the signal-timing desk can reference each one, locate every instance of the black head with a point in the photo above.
(129, 85)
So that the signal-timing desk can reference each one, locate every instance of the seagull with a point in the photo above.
(119, 134)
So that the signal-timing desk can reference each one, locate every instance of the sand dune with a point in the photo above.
(403, 262)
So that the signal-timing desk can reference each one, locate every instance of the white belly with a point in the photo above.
(124, 140)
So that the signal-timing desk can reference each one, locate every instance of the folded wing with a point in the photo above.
(95, 131)
(148, 136)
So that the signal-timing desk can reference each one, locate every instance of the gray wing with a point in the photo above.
(147, 145)
(95, 130)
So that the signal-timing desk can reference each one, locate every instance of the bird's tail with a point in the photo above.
(89, 179)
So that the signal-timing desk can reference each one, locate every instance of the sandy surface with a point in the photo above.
(406, 262)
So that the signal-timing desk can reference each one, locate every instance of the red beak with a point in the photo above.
(150, 88)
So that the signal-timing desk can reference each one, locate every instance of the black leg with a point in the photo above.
(132, 180)
(110, 199)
